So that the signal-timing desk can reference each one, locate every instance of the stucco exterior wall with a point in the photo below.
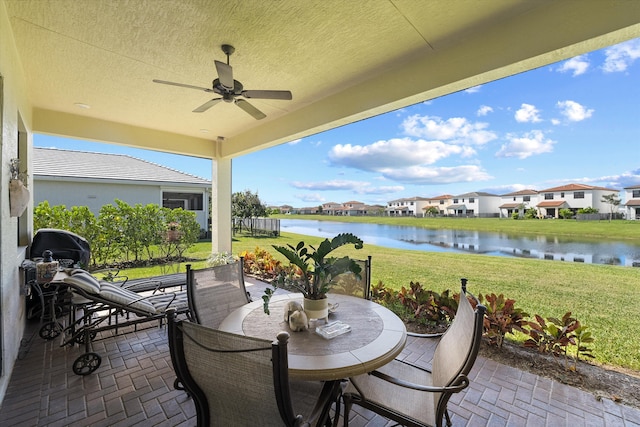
(94, 195)
(14, 113)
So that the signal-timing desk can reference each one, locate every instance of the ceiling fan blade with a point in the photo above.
(164, 82)
(257, 114)
(268, 94)
(204, 107)
(225, 74)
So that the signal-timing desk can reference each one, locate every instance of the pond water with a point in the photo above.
(466, 241)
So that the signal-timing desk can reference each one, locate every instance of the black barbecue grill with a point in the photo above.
(51, 300)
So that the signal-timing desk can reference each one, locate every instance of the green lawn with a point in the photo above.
(604, 298)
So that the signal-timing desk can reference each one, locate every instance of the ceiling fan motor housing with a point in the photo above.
(222, 89)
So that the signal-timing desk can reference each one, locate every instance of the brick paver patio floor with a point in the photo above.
(134, 387)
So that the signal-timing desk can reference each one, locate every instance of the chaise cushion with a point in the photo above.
(125, 297)
(84, 281)
(162, 301)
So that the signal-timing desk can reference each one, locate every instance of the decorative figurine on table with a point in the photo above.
(295, 315)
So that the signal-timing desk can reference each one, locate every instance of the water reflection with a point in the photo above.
(465, 241)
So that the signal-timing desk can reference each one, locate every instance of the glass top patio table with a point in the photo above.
(377, 336)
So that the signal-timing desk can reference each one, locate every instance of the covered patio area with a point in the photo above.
(134, 386)
(88, 69)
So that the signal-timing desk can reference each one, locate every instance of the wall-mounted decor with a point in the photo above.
(18, 192)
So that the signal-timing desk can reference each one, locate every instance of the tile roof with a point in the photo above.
(633, 202)
(526, 192)
(441, 197)
(48, 162)
(477, 194)
(509, 205)
(552, 204)
(574, 187)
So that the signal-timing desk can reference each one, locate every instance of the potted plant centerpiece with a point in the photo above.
(314, 272)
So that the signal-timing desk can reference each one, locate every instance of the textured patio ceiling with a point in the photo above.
(343, 60)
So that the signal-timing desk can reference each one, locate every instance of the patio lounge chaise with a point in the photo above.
(108, 306)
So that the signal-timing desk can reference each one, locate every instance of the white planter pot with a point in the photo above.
(316, 308)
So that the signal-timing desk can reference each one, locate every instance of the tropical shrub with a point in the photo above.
(261, 263)
(501, 318)
(555, 335)
(427, 306)
(122, 232)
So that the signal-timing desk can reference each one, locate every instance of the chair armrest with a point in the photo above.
(461, 382)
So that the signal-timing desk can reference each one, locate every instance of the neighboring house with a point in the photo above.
(331, 208)
(79, 178)
(284, 209)
(632, 206)
(441, 203)
(475, 204)
(307, 211)
(354, 208)
(573, 197)
(412, 206)
(518, 201)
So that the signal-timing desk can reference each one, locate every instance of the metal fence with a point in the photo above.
(257, 226)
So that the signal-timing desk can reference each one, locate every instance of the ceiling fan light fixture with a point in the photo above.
(230, 89)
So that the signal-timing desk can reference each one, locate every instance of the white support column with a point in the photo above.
(221, 205)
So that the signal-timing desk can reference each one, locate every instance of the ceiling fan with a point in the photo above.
(229, 89)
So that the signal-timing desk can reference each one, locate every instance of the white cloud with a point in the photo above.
(474, 89)
(573, 111)
(437, 175)
(532, 143)
(577, 65)
(397, 152)
(621, 56)
(507, 188)
(380, 190)
(456, 130)
(484, 110)
(294, 142)
(335, 184)
(358, 187)
(528, 113)
(310, 198)
(623, 180)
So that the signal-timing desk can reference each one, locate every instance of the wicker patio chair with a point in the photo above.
(215, 292)
(234, 379)
(413, 396)
(349, 284)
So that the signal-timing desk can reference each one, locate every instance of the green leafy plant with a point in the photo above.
(428, 306)
(314, 270)
(555, 335)
(583, 337)
(501, 318)
(220, 258)
(261, 263)
(381, 294)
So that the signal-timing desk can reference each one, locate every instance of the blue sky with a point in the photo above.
(576, 121)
